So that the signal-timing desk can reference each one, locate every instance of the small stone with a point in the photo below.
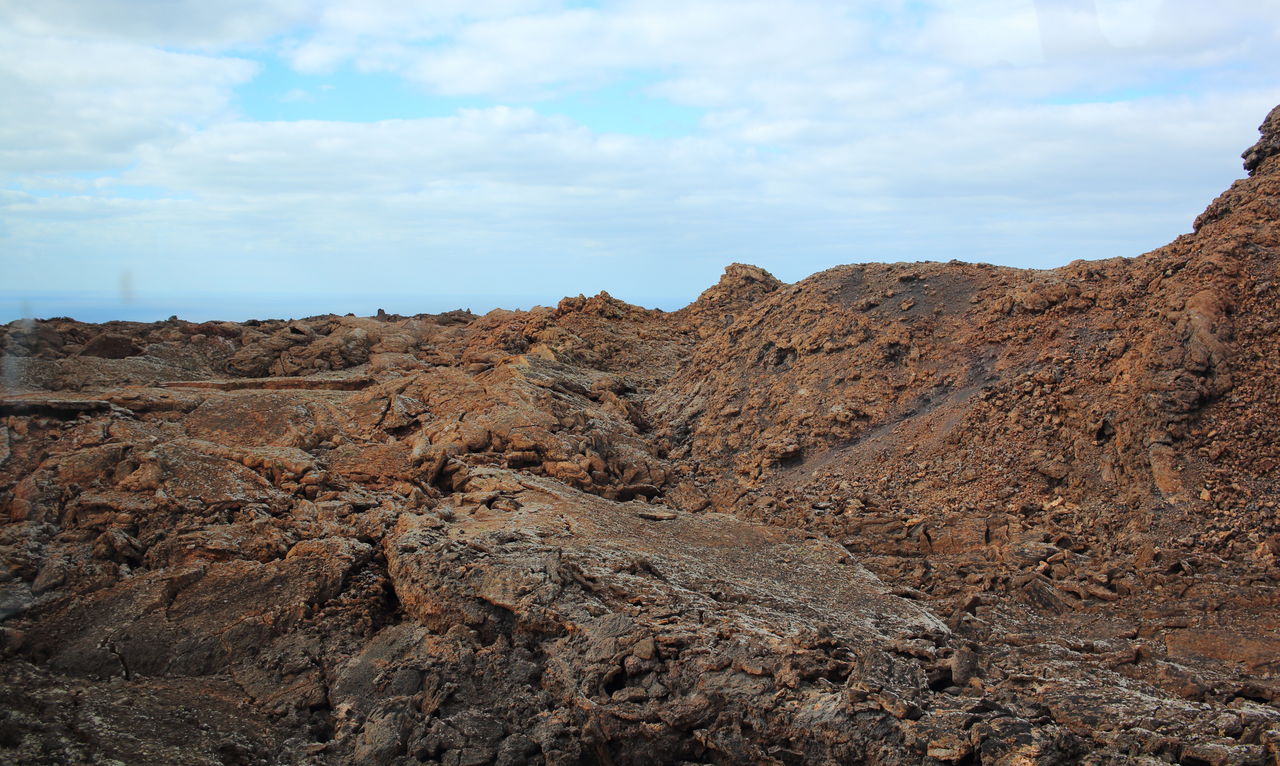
(1054, 469)
(657, 515)
(949, 748)
(480, 498)
(964, 665)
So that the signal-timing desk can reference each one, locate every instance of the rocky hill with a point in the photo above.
(892, 514)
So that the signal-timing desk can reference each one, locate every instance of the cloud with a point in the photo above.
(831, 132)
(91, 105)
(580, 47)
(178, 23)
(505, 200)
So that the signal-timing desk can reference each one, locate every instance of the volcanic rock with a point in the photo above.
(891, 514)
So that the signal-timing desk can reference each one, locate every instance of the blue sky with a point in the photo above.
(279, 92)
(288, 157)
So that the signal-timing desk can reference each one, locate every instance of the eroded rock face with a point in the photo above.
(1267, 147)
(909, 513)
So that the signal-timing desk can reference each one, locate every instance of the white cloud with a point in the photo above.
(78, 105)
(1128, 23)
(180, 23)
(728, 44)
(512, 145)
(504, 200)
(831, 133)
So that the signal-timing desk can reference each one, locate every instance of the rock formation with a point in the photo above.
(892, 514)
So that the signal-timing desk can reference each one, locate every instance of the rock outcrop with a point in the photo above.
(1268, 147)
(891, 514)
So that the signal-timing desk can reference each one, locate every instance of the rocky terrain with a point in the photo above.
(892, 514)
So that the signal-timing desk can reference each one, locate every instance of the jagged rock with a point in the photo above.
(1268, 146)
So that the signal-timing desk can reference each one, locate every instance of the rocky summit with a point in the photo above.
(912, 513)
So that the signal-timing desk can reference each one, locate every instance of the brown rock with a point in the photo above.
(110, 346)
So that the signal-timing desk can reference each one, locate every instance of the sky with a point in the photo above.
(277, 158)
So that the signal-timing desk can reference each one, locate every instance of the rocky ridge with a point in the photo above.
(894, 513)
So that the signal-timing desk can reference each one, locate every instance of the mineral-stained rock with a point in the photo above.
(894, 513)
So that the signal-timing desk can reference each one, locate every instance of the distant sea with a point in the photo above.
(107, 306)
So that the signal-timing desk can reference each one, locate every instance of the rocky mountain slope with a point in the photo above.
(892, 514)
